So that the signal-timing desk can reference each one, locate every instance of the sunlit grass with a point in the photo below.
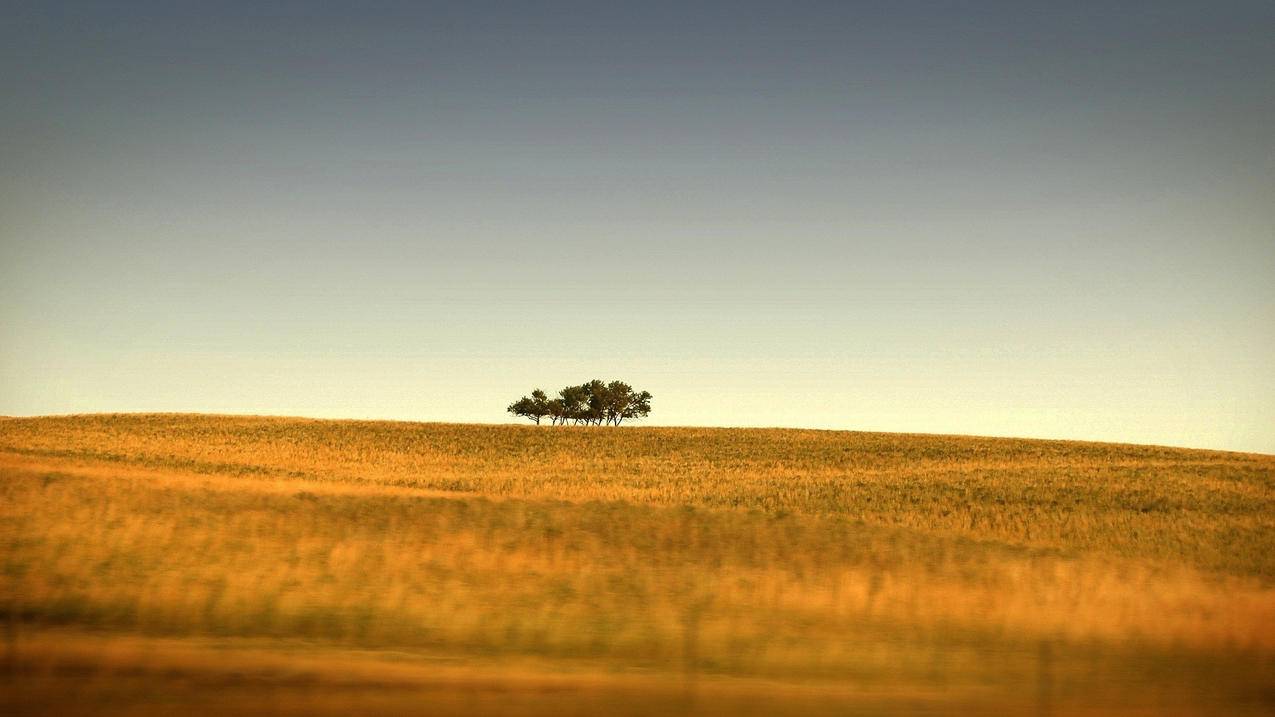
(991, 572)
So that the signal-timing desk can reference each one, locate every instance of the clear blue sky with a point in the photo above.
(1035, 219)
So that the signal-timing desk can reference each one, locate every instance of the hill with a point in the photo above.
(300, 566)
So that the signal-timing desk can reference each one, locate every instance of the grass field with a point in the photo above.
(214, 565)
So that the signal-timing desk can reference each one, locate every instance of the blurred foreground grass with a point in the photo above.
(221, 564)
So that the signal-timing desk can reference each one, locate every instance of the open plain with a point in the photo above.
(151, 564)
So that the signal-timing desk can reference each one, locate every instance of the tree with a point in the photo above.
(557, 411)
(599, 399)
(639, 407)
(575, 403)
(594, 403)
(540, 404)
(534, 408)
(618, 397)
(522, 408)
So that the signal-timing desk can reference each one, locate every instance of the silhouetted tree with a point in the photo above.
(639, 406)
(598, 398)
(535, 408)
(594, 403)
(623, 403)
(540, 404)
(557, 411)
(575, 403)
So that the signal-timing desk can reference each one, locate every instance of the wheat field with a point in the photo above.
(223, 564)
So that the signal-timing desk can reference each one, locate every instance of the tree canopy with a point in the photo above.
(592, 403)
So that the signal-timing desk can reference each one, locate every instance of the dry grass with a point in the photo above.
(690, 570)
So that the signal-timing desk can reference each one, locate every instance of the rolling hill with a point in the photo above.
(293, 566)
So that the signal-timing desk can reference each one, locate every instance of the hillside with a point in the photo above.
(300, 566)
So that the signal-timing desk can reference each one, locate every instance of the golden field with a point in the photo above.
(220, 564)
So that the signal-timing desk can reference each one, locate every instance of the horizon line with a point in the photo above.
(1041, 439)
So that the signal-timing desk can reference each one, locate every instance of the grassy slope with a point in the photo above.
(700, 569)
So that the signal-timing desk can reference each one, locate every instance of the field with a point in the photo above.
(151, 564)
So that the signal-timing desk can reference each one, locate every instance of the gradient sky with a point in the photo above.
(1052, 219)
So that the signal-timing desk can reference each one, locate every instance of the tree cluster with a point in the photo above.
(592, 403)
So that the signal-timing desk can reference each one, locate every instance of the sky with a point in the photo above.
(1021, 219)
